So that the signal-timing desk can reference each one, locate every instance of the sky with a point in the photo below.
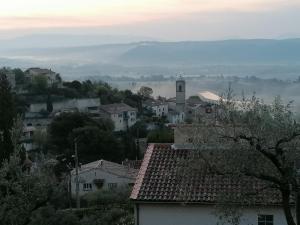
(160, 19)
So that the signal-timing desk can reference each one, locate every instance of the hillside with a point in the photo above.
(215, 52)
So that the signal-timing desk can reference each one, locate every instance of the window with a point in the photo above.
(265, 220)
(87, 186)
(112, 185)
(120, 115)
(179, 88)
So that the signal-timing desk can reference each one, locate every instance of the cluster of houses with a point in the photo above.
(167, 191)
(164, 191)
(176, 110)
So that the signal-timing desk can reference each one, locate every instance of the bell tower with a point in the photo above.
(180, 95)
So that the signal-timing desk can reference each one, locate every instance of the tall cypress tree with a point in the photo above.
(7, 115)
(49, 103)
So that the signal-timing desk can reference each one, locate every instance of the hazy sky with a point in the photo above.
(162, 19)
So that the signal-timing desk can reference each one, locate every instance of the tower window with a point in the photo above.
(180, 88)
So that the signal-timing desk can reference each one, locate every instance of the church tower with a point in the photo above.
(180, 95)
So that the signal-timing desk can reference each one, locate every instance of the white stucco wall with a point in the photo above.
(171, 214)
(160, 110)
(176, 118)
(81, 105)
(120, 123)
(91, 175)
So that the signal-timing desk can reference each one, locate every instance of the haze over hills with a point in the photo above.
(53, 40)
(229, 57)
(215, 52)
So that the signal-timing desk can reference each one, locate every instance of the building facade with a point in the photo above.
(52, 78)
(80, 105)
(168, 191)
(180, 95)
(158, 108)
(102, 175)
(122, 115)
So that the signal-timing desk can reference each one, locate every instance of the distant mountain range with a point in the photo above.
(215, 52)
(259, 57)
(67, 40)
(261, 51)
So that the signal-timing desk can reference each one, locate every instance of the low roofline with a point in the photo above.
(201, 203)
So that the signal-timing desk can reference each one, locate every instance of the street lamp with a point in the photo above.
(76, 174)
(79, 131)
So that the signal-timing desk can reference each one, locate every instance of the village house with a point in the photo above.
(168, 191)
(175, 117)
(158, 108)
(122, 115)
(52, 77)
(84, 105)
(102, 175)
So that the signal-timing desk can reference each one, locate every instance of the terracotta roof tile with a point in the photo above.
(164, 177)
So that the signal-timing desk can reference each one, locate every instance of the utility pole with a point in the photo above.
(76, 173)
(137, 144)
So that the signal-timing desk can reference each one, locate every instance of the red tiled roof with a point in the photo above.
(165, 177)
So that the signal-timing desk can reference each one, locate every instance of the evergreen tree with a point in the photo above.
(7, 115)
(49, 104)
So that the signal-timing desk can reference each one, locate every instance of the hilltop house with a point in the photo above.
(79, 105)
(102, 174)
(122, 115)
(168, 192)
(52, 77)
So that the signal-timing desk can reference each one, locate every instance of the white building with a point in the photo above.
(159, 108)
(122, 115)
(102, 174)
(168, 193)
(175, 117)
(80, 105)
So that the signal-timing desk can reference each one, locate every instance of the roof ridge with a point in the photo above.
(142, 172)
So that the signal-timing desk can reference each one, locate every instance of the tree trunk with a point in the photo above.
(287, 208)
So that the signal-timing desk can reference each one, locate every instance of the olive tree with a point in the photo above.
(258, 140)
(22, 193)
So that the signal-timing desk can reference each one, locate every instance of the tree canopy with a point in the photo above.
(96, 139)
(258, 140)
(7, 115)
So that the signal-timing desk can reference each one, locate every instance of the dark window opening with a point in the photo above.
(265, 220)
(180, 88)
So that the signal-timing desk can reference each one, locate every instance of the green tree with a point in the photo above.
(23, 193)
(259, 141)
(96, 139)
(163, 135)
(49, 104)
(7, 115)
(19, 76)
(39, 84)
(145, 92)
